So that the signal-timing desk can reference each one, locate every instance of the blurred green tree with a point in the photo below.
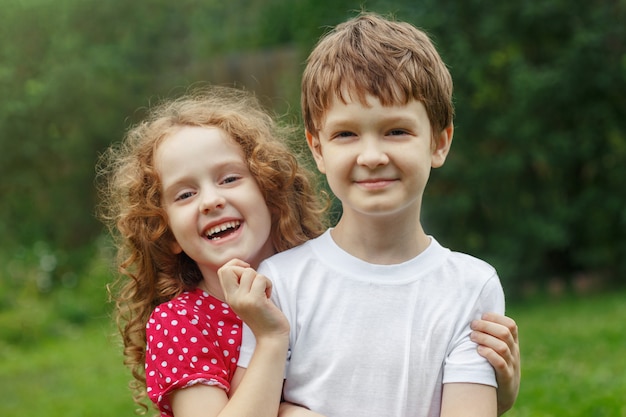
(535, 180)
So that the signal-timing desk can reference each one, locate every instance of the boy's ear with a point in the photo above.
(442, 145)
(316, 150)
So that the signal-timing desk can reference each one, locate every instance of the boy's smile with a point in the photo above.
(215, 208)
(376, 158)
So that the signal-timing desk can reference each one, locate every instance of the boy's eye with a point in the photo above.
(397, 132)
(346, 134)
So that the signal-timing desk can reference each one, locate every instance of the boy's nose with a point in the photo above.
(372, 155)
(210, 201)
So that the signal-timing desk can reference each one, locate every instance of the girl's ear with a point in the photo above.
(441, 148)
(316, 150)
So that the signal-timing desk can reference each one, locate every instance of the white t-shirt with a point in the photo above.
(378, 340)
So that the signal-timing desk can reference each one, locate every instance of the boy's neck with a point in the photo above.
(382, 242)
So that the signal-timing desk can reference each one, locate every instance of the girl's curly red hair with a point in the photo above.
(150, 273)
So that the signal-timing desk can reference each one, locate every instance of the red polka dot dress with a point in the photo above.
(193, 339)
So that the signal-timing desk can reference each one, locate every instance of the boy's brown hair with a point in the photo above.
(370, 55)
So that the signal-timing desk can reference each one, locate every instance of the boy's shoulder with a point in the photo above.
(296, 258)
(303, 250)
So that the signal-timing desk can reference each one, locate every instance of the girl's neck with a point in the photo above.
(211, 284)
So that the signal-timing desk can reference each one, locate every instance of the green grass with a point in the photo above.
(78, 375)
(573, 364)
(573, 357)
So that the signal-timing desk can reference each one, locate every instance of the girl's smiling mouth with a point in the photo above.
(219, 231)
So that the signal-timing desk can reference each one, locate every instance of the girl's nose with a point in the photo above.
(211, 200)
(372, 154)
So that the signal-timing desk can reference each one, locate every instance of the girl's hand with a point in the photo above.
(248, 293)
(497, 337)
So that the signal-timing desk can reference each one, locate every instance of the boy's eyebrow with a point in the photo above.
(347, 121)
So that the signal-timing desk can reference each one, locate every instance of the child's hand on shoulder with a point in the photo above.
(248, 293)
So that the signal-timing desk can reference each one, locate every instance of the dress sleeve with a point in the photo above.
(182, 350)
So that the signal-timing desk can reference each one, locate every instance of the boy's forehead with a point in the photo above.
(341, 108)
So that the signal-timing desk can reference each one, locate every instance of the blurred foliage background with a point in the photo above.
(535, 183)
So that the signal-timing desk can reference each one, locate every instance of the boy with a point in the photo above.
(380, 313)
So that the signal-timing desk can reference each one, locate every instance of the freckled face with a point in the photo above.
(215, 208)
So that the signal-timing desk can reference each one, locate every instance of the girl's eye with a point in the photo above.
(230, 179)
(184, 196)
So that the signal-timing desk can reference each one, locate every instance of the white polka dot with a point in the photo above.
(170, 351)
(214, 361)
(168, 379)
(151, 373)
(164, 364)
(164, 314)
(181, 357)
(225, 311)
(183, 330)
(182, 312)
(205, 350)
(174, 370)
(194, 359)
(160, 345)
(226, 353)
(185, 350)
(220, 323)
(154, 357)
(174, 323)
(205, 368)
(165, 332)
(193, 339)
(175, 339)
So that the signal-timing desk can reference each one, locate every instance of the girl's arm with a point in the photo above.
(497, 337)
(468, 400)
(258, 393)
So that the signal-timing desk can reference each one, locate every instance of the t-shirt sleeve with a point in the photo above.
(181, 351)
(464, 364)
(248, 343)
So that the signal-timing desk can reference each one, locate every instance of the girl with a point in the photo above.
(207, 178)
